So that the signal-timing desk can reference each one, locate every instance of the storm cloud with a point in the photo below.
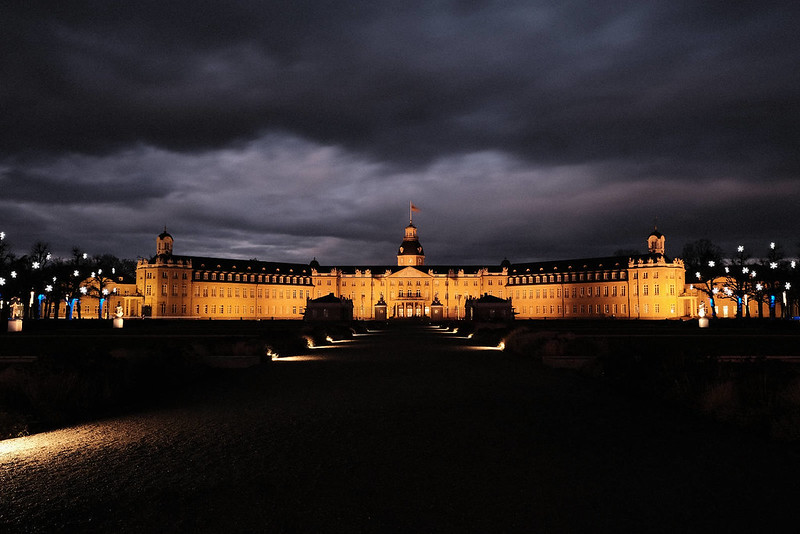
(527, 130)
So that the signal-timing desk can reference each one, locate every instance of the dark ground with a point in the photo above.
(410, 430)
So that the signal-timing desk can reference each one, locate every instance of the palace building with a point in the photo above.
(640, 286)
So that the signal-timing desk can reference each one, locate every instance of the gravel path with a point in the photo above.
(409, 430)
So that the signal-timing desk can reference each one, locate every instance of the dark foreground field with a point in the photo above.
(406, 430)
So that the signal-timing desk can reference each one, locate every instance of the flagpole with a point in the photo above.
(410, 213)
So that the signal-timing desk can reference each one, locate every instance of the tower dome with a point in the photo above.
(410, 251)
(655, 242)
(164, 243)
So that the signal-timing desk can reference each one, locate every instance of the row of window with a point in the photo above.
(574, 292)
(656, 290)
(464, 283)
(256, 278)
(236, 310)
(231, 292)
(567, 277)
(150, 275)
(413, 283)
(230, 310)
(589, 309)
(587, 291)
(235, 292)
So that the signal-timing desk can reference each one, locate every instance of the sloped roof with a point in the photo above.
(245, 266)
(424, 269)
(581, 264)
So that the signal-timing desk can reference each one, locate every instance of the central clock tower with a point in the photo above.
(410, 251)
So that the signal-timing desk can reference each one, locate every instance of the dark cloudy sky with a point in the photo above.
(285, 130)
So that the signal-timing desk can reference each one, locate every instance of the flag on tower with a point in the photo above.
(414, 208)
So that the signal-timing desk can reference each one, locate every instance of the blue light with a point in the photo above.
(72, 307)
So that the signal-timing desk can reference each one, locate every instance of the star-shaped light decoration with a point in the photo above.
(75, 272)
(48, 288)
(2, 281)
(711, 263)
(35, 265)
(83, 290)
(740, 248)
(788, 285)
(2, 235)
(773, 265)
(772, 245)
(13, 274)
(759, 287)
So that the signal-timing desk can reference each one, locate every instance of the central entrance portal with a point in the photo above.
(411, 309)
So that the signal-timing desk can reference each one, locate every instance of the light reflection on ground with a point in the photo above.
(31, 445)
(301, 358)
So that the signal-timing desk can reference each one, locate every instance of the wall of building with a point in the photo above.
(637, 289)
(174, 287)
(647, 286)
(726, 305)
(88, 306)
(409, 291)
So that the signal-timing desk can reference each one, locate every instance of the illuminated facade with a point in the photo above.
(199, 287)
(645, 286)
(641, 286)
(119, 292)
(726, 304)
